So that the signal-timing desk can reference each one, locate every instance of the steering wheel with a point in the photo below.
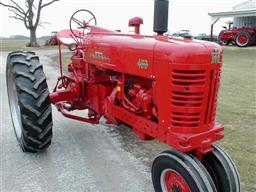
(81, 20)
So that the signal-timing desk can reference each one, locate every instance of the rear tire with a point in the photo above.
(29, 101)
(176, 171)
(243, 39)
(222, 170)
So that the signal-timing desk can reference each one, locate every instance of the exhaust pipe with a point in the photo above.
(161, 10)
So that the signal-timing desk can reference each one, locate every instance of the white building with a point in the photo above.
(248, 21)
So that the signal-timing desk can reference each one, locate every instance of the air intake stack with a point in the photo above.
(161, 10)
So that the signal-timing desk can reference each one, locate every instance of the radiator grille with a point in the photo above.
(193, 96)
(188, 77)
(212, 96)
(185, 119)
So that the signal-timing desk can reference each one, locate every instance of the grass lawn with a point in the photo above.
(13, 45)
(237, 109)
(66, 59)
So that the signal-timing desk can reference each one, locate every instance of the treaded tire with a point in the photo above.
(194, 177)
(29, 101)
(248, 39)
(222, 170)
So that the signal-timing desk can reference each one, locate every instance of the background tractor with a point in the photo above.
(242, 37)
(163, 88)
(53, 39)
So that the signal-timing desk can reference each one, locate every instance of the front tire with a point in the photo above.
(29, 101)
(222, 42)
(176, 171)
(222, 170)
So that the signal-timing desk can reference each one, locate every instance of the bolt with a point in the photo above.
(152, 76)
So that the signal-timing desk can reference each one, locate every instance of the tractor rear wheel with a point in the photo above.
(29, 101)
(222, 170)
(178, 172)
(243, 39)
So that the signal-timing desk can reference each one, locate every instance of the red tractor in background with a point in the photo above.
(163, 88)
(242, 37)
(53, 39)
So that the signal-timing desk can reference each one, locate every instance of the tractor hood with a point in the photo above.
(185, 51)
(136, 54)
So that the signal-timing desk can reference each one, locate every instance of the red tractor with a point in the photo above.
(163, 88)
(53, 39)
(242, 37)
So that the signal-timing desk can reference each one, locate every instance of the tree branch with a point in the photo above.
(38, 13)
(30, 13)
(42, 23)
(13, 7)
(16, 17)
(26, 4)
(49, 3)
(17, 5)
(16, 13)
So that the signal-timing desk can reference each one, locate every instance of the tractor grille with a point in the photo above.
(211, 106)
(193, 96)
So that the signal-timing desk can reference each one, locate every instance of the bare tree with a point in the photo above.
(29, 14)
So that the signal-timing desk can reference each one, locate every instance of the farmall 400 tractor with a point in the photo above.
(242, 37)
(164, 88)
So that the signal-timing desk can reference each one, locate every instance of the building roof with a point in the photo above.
(247, 8)
(250, 4)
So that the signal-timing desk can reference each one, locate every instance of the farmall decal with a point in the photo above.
(142, 63)
(100, 56)
(215, 56)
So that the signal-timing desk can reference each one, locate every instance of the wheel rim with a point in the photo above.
(242, 39)
(14, 104)
(171, 181)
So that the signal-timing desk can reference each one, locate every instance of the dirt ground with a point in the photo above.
(83, 157)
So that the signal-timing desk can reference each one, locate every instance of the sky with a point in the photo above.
(114, 14)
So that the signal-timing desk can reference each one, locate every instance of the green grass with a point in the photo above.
(66, 59)
(237, 109)
(13, 45)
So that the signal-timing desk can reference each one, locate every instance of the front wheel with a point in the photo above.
(29, 101)
(178, 172)
(223, 42)
(222, 170)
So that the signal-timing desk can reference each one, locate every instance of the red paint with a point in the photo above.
(165, 88)
(229, 35)
(242, 39)
(136, 22)
(175, 182)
